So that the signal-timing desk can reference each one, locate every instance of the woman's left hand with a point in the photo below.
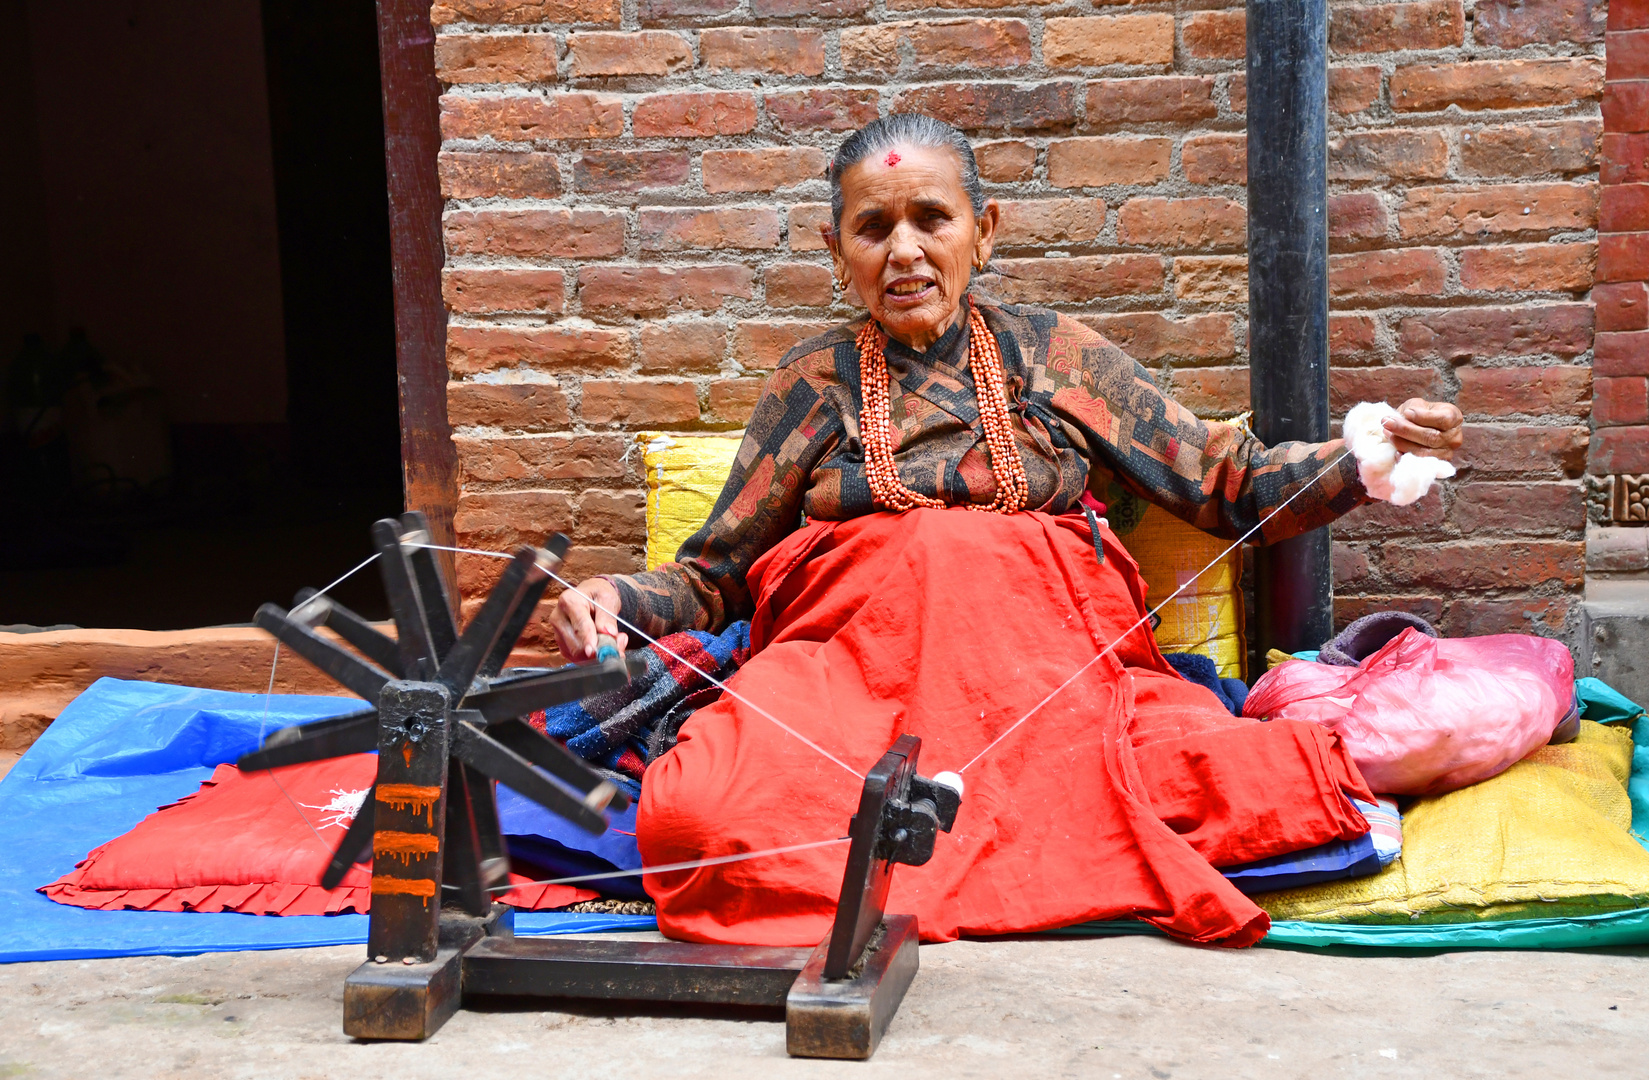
(1427, 429)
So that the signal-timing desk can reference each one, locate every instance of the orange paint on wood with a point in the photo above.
(393, 886)
(405, 846)
(419, 798)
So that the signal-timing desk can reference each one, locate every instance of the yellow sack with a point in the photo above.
(1207, 617)
(1549, 837)
(685, 475)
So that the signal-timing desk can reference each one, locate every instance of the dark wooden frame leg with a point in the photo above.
(846, 1018)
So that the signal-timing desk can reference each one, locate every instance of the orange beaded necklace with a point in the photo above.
(876, 422)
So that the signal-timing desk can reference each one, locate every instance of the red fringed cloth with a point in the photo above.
(1115, 800)
(240, 844)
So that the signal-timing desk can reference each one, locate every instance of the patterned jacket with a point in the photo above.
(1085, 416)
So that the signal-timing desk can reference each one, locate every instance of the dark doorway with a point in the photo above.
(197, 325)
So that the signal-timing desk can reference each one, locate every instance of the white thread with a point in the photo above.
(665, 648)
(718, 860)
(1147, 617)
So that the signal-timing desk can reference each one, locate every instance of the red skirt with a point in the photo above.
(1116, 799)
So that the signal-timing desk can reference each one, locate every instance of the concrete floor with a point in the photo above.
(1106, 1008)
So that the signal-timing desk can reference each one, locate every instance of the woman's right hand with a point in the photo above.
(576, 620)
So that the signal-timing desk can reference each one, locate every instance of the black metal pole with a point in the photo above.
(1288, 291)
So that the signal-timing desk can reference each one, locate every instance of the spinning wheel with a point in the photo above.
(447, 723)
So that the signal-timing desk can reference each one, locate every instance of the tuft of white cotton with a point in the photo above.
(1397, 479)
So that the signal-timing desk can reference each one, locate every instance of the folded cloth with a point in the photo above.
(1332, 861)
(1365, 636)
(1385, 827)
(1203, 671)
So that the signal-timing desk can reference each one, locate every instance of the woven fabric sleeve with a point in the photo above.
(704, 588)
(1210, 474)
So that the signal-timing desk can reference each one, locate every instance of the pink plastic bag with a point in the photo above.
(1424, 715)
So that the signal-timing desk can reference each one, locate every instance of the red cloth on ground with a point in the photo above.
(952, 625)
(239, 844)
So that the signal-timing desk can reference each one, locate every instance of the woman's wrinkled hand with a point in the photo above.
(576, 620)
(1427, 429)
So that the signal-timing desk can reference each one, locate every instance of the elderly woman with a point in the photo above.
(879, 605)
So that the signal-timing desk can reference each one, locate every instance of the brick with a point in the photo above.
(1496, 84)
(572, 234)
(1215, 159)
(746, 228)
(1148, 335)
(1350, 607)
(1626, 106)
(495, 58)
(528, 117)
(1508, 24)
(1617, 550)
(1153, 99)
(500, 520)
(1565, 146)
(630, 170)
(1356, 220)
(1523, 615)
(806, 219)
(641, 52)
(1620, 450)
(733, 400)
(1467, 333)
(526, 12)
(1519, 508)
(923, 5)
(1627, 56)
(1079, 279)
(1183, 223)
(1628, 15)
(1102, 40)
(1215, 35)
(652, 290)
(489, 290)
(695, 115)
(1388, 154)
(1620, 354)
(1096, 161)
(762, 51)
(1418, 24)
(473, 350)
(761, 345)
(1009, 161)
(822, 109)
(1352, 339)
(1491, 564)
(1620, 401)
(766, 169)
(1012, 107)
(1211, 279)
(1625, 159)
(1236, 89)
(1372, 275)
(822, 9)
(1622, 306)
(1348, 386)
(1353, 89)
(799, 285)
(1529, 267)
(639, 402)
(1623, 257)
(656, 11)
(1447, 213)
(612, 517)
(1350, 564)
(949, 43)
(1500, 449)
(682, 345)
(1623, 208)
(1533, 391)
(541, 457)
(512, 175)
(511, 406)
(1380, 520)
(1050, 222)
(1212, 391)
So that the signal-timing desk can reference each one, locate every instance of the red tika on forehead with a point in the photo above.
(891, 160)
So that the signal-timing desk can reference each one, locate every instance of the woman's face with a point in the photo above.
(909, 238)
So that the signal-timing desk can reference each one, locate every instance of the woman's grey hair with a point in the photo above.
(903, 129)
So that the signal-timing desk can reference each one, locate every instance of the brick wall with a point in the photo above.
(635, 188)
